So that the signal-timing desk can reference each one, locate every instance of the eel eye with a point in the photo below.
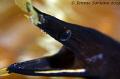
(65, 35)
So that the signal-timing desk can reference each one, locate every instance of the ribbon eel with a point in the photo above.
(85, 53)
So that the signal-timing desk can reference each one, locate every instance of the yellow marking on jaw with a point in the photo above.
(22, 4)
(62, 71)
(25, 5)
(28, 17)
(34, 17)
(4, 72)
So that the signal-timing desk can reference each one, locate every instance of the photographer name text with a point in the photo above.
(95, 3)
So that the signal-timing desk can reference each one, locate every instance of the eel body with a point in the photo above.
(85, 53)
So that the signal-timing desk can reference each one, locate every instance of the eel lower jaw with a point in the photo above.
(46, 71)
(46, 67)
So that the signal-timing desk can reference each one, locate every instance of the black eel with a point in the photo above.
(85, 53)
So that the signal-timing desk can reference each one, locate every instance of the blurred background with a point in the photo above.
(21, 41)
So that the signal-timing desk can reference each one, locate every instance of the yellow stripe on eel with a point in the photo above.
(62, 71)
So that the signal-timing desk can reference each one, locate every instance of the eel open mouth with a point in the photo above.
(61, 64)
